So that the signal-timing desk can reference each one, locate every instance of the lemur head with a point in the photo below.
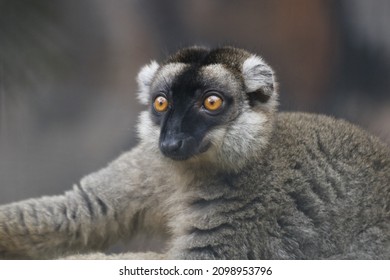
(210, 106)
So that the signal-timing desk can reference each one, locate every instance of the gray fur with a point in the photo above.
(272, 186)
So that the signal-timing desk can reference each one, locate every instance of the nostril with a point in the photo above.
(180, 144)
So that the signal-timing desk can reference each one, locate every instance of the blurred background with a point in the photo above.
(67, 71)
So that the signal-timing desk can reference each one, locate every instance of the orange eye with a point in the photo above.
(212, 103)
(160, 104)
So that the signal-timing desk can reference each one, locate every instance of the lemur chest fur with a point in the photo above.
(211, 203)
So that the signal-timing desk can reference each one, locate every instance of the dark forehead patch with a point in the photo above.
(187, 81)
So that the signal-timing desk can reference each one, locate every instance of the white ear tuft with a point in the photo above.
(258, 75)
(144, 79)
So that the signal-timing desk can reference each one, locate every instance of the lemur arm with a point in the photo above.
(91, 216)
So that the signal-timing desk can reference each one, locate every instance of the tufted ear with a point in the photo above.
(144, 79)
(259, 80)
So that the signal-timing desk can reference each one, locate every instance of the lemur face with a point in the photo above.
(197, 100)
(197, 91)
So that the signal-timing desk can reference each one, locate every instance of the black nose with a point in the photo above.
(178, 148)
(170, 146)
